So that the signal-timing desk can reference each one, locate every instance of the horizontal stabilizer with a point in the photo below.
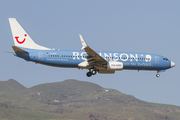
(8, 51)
(19, 50)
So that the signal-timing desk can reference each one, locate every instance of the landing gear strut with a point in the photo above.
(90, 73)
(157, 75)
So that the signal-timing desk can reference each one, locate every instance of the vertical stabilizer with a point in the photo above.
(21, 38)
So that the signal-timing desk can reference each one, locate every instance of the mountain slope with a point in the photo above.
(70, 90)
(11, 86)
(79, 100)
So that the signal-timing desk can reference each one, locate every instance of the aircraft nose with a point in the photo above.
(172, 64)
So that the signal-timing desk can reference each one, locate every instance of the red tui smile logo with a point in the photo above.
(21, 42)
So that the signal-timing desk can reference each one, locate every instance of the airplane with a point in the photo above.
(86, 58)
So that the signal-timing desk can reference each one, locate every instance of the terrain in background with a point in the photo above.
(76, 100)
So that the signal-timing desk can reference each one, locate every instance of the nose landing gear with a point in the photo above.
(157, 75)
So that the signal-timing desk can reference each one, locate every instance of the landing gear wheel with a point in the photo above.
(94, 72)
(89, 74)
(157, 75)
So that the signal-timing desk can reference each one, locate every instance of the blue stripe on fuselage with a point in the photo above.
(68, 58)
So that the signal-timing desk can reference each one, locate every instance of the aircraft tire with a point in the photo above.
(89, 74)
(157, 75)
(94, 72)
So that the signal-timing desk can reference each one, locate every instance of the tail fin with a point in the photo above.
(21, 38)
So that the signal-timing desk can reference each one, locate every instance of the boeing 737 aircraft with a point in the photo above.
(94, 61)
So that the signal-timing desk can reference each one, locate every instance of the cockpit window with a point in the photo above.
(165, 59)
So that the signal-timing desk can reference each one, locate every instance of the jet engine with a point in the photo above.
(112, 65)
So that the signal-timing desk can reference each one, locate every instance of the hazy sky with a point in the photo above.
(118, 25)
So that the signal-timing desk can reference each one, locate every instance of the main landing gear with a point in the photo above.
(90, 73)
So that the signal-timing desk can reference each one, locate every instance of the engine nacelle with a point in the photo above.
(112, 65)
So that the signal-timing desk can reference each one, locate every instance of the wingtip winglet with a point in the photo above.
(84, 45)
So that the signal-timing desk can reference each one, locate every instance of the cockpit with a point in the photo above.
(165, 59)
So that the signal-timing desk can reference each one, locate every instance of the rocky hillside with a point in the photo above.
(77, 100)
(11, 86)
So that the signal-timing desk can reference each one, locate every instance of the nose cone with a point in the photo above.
(172, 64)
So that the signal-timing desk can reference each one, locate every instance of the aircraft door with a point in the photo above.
(157, 59)
(40, 55)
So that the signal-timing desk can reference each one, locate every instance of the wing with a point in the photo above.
(92, 57)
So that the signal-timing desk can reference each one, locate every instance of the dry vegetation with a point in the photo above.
(76, 100)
